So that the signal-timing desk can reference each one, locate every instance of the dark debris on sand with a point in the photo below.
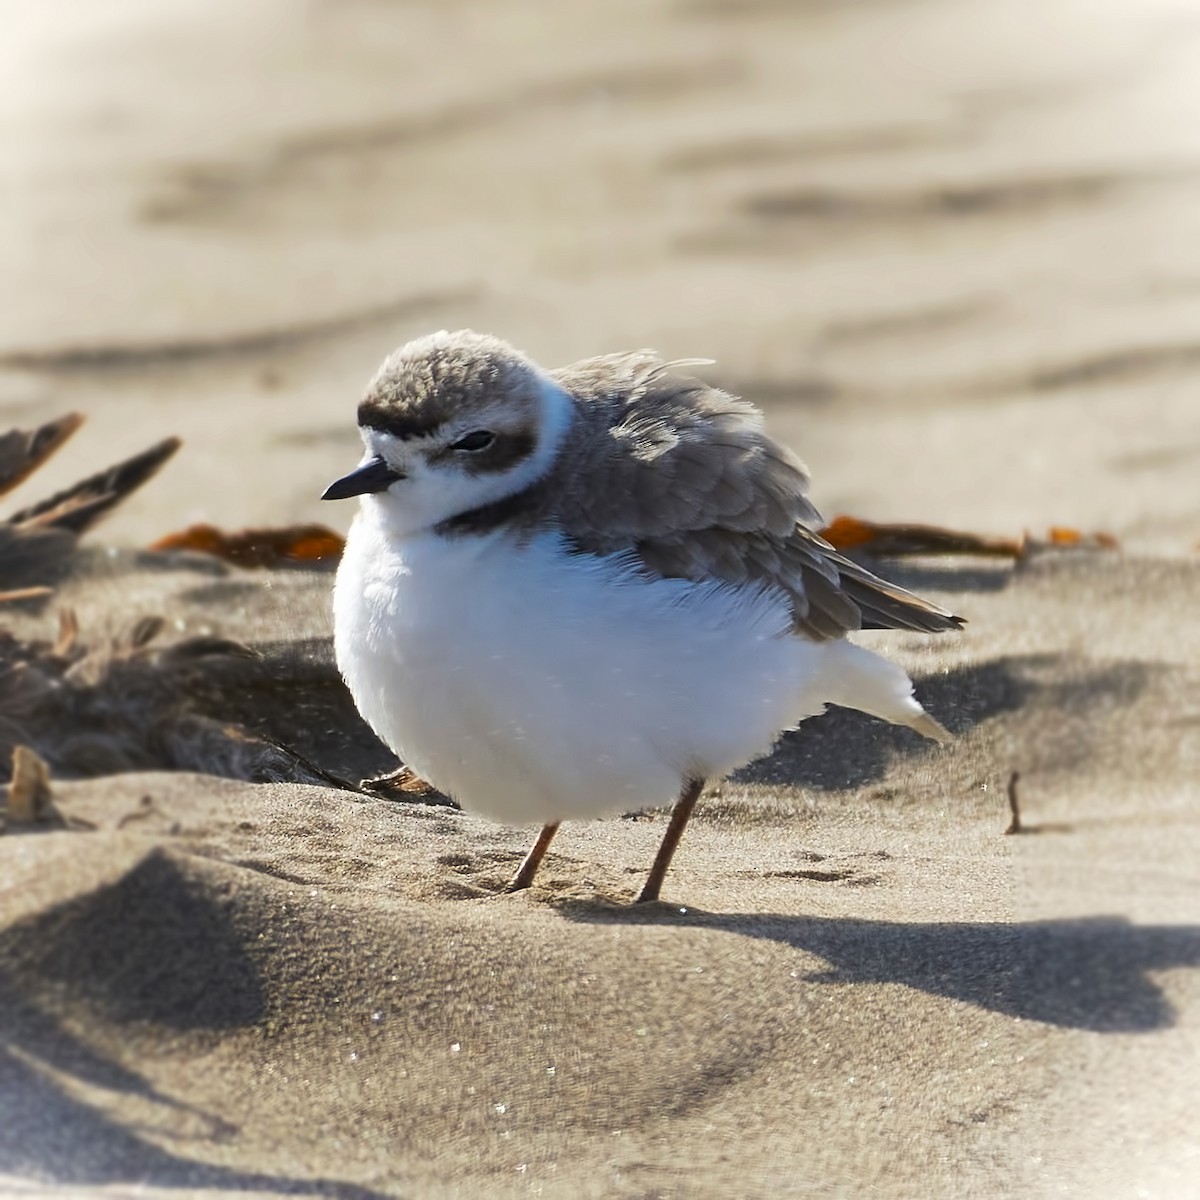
(86, 706)
(136, 702)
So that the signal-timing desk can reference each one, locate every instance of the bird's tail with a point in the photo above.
(930, 727)
(856, 678)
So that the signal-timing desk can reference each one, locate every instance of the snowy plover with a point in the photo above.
(575, 592)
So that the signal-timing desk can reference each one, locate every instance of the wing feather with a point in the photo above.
(684, 477)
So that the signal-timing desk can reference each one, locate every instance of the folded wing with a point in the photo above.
(687, 480)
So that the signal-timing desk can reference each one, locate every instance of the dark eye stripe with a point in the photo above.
(506, 450)
(479, 439)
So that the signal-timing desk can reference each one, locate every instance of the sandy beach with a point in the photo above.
(954, 254)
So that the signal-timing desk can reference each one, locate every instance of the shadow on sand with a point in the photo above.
(49, 1134)
(154, 949)
(842, 750)
(1088, 974)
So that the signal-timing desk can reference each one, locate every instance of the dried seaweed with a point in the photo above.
(288, 546)
(902, 540)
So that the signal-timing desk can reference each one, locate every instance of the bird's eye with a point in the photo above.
(480, 439)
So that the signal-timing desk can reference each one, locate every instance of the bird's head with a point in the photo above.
(453, 422)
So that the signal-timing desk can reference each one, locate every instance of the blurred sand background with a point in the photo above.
(953, 250)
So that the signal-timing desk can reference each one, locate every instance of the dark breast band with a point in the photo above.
(518, 510)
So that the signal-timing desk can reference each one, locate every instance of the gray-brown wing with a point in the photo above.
(682, 475)
(656, 453)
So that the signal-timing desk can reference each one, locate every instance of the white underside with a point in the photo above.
(535, 685)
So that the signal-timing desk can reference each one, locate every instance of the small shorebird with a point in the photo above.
(576, 592)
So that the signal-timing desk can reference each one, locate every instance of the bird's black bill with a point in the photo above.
(375, 476)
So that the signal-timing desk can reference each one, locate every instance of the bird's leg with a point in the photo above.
(529, 865)
(679, 819)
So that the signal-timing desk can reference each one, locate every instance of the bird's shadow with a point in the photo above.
(1090, 974)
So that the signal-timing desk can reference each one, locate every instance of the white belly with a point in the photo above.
(535, 685)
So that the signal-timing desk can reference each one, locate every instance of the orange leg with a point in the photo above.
(529, 865)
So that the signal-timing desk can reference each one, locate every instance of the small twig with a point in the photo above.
(68, 633)
(146, 808)
(1014, 807)
(19, 595)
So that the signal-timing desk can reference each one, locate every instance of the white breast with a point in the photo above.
(533, 684)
